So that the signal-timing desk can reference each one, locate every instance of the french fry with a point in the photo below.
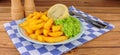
(29, 16)
(55, 39)
(28, 30)
(33, 22)
(33, 36)
(48, 24)
(54, 34)
(39, 21)
(38, 31)
(44, 17)
(45, 32)
(36, 16)
(56, 28)
(40, 38)
(36, 26)
(40, 25)
(23, 24)
(32, 27)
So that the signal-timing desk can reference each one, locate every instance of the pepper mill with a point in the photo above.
(17, 11)
(29, 7)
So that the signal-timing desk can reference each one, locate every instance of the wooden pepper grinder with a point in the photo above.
(17, 11)
(29, 7)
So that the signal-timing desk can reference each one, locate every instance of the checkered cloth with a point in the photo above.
(28, 48)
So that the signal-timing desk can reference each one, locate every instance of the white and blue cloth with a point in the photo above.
(28, 48)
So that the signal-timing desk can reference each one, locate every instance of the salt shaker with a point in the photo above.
(29, 6)
(17, 11)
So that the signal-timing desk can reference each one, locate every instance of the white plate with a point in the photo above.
(22, 34)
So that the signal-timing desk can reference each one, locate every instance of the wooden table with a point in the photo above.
(107, 10)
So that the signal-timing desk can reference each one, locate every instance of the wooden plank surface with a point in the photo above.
(95, 3)
(76, 51)
(107, 10)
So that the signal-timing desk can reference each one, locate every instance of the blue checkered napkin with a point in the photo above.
(28, 48)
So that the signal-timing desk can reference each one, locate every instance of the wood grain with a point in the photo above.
(95, 3)
(94, 51)
(85, 9)
(112, 17)
(8, 51)
(107, 10)
(76, 51)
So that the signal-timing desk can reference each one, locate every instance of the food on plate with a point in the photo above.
(33, 36)
(70, 26)
(38, 31)
(56, 28)
(40, 38)
(57, 33)
(45, 32)
(55, 39)
(44, 17)
(58, 11)
(48, 24)
(39, 26)
(54, 25)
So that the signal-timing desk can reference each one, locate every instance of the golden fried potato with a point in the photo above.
(33, 36)
(44, 17)
(39, 21)
(23, 24)
(29, 16)
(32, 27)
(40, 38)
(56, 28)
(55, 39)
(38, 31)
(36, 26)
(59, 33)
(28, 30)
(36, 16)
(45, 32)
(48, 24)
(41, 25)
(35, 22)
